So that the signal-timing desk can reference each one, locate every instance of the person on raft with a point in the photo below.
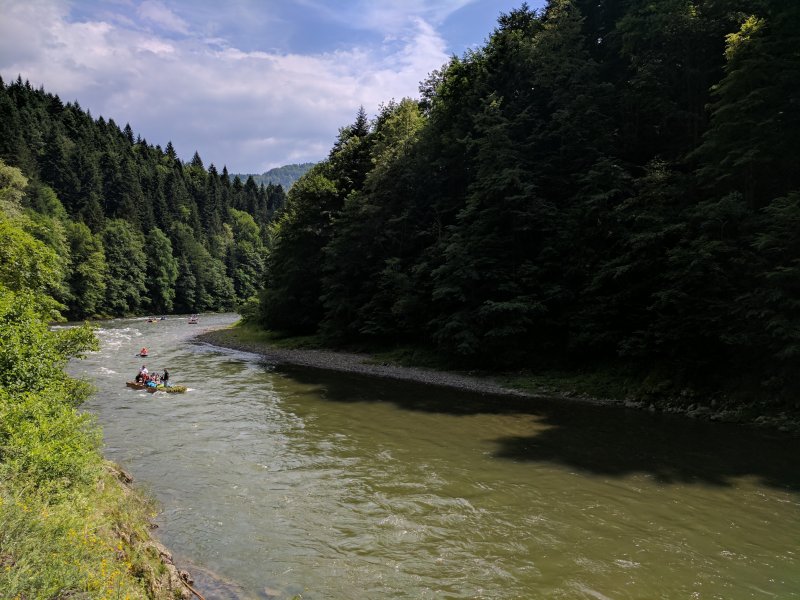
(142, 377)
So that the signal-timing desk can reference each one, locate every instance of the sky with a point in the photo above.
(248, 84)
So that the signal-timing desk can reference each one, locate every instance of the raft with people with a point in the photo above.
(154, 382)
(170, 389)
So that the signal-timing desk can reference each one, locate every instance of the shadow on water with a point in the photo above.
(603, 440)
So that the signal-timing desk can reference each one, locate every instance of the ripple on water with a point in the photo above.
(301, 484)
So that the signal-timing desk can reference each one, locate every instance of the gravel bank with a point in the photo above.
(361, 363)
(357, 363)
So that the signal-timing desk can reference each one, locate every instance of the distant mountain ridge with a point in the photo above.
(284, 176)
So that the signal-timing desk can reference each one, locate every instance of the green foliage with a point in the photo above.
(88, 272)
(749, 146)
(361, 271)
(12, 189)
(63, 549)
(66, 526)
(32, 355)
(162, 271)
(127, 268)
(771, 307)
(598, 182)
(245, 260)
(28, 264)
(291, 300)
(46, 442)
(80, 170)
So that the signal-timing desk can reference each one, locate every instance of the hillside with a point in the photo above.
(131, 228)
(284, 176)
(583, 192)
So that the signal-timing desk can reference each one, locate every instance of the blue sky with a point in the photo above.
(248, 84)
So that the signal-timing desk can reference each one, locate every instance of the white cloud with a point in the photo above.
(247, 110)
(155, 12)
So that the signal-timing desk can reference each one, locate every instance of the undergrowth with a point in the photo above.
(68, 527)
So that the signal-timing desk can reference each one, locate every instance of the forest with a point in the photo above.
(131, 228)
(600, 185)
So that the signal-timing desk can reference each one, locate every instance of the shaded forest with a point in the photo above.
(601, 183)
(132, 229)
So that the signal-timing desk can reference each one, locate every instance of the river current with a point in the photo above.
(286, 482)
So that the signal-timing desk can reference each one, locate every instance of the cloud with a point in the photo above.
(249, 110)
(155, 12)
(387, 15)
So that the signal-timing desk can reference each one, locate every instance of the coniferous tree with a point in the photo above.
(749, 147)
(291, 299)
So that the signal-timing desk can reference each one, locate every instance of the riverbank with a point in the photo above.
(350, 362)
(565, 387)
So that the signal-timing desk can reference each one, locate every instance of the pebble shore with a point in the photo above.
(364, 364)
(357, 363)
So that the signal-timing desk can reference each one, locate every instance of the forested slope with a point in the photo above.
(136, 229)
(600, 182)
(284, 176)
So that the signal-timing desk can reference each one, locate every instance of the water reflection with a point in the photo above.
(601, 440)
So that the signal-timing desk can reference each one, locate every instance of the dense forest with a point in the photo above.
(599, 183)
(284, 176)
(133, 228)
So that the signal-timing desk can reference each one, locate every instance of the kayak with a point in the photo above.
(173, 389)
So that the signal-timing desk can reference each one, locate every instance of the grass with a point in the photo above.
(69, 528)
(249, 334)
(596, 383)
(89, 543)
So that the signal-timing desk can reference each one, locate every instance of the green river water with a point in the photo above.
(284, 482)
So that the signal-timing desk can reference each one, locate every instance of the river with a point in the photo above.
(287, 482)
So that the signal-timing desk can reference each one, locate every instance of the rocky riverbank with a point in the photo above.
(349, 362)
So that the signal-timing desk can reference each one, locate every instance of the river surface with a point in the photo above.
(287, 482)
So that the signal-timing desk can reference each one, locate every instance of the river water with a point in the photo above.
(287, 482)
